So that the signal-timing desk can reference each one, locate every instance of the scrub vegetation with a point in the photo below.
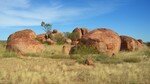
(54, 67)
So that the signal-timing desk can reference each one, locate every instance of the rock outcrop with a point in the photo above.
(130, 44)
(24, 42)
(103, 40)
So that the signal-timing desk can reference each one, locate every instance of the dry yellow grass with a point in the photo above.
(45, 70)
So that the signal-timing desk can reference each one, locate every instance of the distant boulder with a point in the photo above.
(140, 40)
(130, 44)
(24, 42)
(103, 40)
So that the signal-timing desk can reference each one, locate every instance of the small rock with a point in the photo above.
(68, 41)
(66, 49)
(89, 61)
(24, 42)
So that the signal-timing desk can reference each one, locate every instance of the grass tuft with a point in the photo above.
(8, 54)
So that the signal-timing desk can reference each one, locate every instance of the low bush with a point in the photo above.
(83, 50)
(73, 36)
(59, 57)
(81, 53)
(102, 58)
(132, 60)
(58, 38)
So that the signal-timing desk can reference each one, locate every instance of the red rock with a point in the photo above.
(24, 42)
(21, 34)
(79, 32)
(129, 44)
(103, 40)
(50, 42)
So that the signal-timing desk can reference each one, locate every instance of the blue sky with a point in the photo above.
(126, 17)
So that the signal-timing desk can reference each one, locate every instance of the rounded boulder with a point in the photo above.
(24, 42)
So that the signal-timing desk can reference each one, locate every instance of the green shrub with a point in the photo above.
(132, 60)
(81, 53)
(73, 36)
(33, 54)
(58, 38)
(102, 58)
(59, 57)
(84, 50)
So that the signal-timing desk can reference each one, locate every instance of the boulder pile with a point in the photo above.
(78, 32)
(103, 40)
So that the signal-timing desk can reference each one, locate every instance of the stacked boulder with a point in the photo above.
(24, 42)
(79, 32)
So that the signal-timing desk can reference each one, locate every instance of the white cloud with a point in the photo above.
(23, 12)
(10, 4)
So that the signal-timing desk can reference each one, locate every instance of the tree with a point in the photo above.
(47, 28)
